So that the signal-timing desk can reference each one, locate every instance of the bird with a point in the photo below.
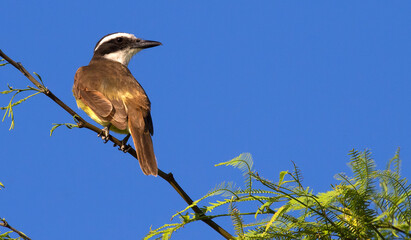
(107, 91)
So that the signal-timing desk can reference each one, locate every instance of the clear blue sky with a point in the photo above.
(284, 80)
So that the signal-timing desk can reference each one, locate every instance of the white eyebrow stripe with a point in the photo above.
(113, 36)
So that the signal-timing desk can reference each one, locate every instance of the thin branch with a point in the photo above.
(5, 224)
(395, 228)
(83, 123)
(240, 214)
(323, 214)
(378, 232)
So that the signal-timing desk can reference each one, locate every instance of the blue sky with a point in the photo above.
(284, 80)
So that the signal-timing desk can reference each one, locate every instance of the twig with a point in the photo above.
(5, 224)
(395, 228)
(83, 123)
(378, 232)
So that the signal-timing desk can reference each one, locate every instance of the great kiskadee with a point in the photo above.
(107, 91)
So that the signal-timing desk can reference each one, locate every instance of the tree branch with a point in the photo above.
(5, 224)
(83, 123)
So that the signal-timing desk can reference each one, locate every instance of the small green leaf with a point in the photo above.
(282, 175)
(54, 128)
(2, 64)
(41, 80)
(56, 125)
(275, 216)
(6, 234)
(263, 207)
(7, 92)
(185, 218)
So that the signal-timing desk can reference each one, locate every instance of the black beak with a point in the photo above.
(140, 43)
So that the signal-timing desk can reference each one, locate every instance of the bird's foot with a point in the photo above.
(124, 146)
(104, 134)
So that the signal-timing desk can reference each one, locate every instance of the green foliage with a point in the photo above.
(15, 91)
(6, 236)
(3, 63)
(56, 125)
(370, 204)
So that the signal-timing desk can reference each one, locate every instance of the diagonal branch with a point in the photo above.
(5, 224)
(84, 124)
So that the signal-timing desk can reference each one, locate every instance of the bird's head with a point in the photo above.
(121, 47)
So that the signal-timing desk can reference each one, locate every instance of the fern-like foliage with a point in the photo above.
(237, 219)
(244, 162)
(6, 236)
(370, 204)
(15, 91)
(9, 108)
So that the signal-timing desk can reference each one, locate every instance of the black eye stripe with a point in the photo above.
(114, 45)
(120, 41)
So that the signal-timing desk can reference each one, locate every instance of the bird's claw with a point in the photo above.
(124, 148)
(104, 134)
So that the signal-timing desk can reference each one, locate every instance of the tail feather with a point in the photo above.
(142, 143)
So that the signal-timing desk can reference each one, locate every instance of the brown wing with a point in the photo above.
(138, 100)
(97, 102)
(119, 115)
(89, 88)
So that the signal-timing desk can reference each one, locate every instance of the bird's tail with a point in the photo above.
(142, 142)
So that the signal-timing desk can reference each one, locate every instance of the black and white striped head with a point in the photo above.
(121, 47)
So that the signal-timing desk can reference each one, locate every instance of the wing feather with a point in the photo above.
(97, 102)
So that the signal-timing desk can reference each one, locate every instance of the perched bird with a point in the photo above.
(107, 91)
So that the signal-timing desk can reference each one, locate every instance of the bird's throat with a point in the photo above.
(123, 56)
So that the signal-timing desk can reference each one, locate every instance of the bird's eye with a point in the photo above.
(119, 40)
